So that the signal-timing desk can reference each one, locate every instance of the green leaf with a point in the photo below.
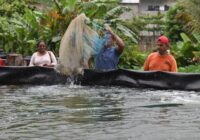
(31, 41)
(179, 44)
(197, 37)
(185, 37)
(56, 39)
(127, 32)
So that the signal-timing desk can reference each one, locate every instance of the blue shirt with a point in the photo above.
(107, 59)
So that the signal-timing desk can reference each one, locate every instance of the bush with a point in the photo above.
(132, 58)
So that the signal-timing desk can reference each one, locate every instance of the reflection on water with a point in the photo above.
(90, 110)
(75, 112)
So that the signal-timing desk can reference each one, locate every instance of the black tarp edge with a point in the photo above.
(121, 77)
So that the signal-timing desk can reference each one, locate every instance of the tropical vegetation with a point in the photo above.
(24, 22)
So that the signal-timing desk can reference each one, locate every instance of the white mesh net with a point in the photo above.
(77, 45)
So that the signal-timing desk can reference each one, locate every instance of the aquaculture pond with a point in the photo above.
(74, 112)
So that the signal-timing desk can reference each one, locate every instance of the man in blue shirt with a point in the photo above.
(108, 57)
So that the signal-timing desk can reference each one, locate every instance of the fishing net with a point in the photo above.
(78, 44)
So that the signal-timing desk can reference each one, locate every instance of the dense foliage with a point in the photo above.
(24, 22)
(190, 15)
(182, 27)
(173, 25)
(132, 58)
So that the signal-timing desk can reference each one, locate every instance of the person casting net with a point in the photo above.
(78, 44)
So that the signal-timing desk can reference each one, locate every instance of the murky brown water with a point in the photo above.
(97, 113)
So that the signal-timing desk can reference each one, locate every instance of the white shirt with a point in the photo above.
(39, 60)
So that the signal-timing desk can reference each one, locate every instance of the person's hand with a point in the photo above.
(87, 21)
(46, 65)
(108, 28)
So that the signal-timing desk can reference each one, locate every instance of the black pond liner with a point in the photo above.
(120, 77)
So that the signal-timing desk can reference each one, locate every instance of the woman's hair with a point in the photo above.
(37, 45)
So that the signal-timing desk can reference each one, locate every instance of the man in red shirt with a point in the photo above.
(161, 60)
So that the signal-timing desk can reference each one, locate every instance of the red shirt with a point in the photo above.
(1, 62)
(157, 62)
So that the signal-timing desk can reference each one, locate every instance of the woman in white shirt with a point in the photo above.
(43, 57)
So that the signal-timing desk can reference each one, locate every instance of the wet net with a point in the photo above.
(78, 44)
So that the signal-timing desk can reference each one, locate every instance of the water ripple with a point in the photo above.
(76, 112)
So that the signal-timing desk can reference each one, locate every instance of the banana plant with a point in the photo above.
(187, 51)
(100, 12)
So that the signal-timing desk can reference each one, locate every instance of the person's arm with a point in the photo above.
(120, 43)
(174, 65)
(146, 64)
(54, 61)
(32, 60)
(118, 40)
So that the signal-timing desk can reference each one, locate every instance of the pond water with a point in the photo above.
(74, 112)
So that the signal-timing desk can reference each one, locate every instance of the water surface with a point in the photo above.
(74, 112)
